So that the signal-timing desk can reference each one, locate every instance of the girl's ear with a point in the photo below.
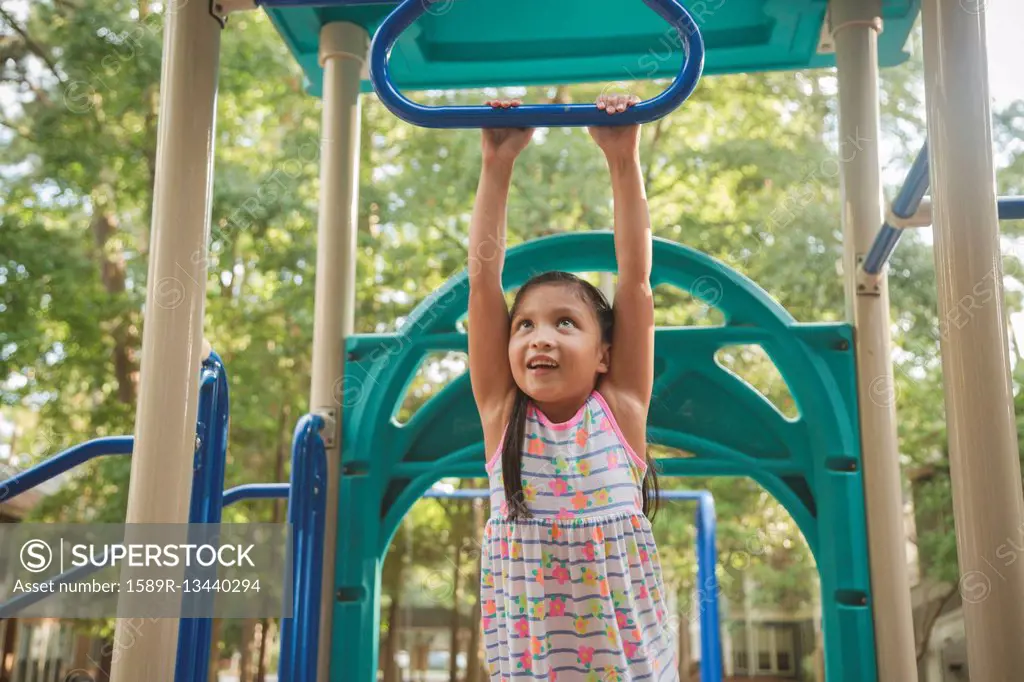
(604, 363)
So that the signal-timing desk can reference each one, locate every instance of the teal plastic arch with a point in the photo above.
(811, 463)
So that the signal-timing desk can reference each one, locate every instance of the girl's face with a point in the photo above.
(555, 347)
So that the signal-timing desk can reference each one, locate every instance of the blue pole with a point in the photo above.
(707, 592)
(213, 491)
(317, 491)
(188, 666)
(195, 632)
(64, 462)
(1011, 208)
(293, 565)
(298, 652)
(904, 206)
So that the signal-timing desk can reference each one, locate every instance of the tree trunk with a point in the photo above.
(106, 660)
(276, 513)
(929, 624)
(212, 674)
(391, 642)
(280, 454)
(393, 578)
(684, 647)
(7, 649)
(453, 667)
(261, 660)
(474, 671)
(248, 643)
(112, 272)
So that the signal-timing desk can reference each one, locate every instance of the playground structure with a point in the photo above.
(356, 473)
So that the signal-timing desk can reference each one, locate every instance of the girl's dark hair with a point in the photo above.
(512, 445)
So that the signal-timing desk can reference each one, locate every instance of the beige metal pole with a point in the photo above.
(856, 24)
(343, 50)
(606, 282)
(988, 503)
(165, 424)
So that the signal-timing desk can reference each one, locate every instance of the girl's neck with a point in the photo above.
(562, 411)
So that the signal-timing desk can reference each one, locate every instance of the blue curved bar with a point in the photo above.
(533, 115)
(256, 491)
(64, 462)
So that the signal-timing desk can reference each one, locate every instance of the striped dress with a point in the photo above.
(575, 592)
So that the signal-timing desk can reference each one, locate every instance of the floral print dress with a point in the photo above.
(575, 592)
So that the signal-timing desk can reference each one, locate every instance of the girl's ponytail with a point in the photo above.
(512, 458)
(650, 501)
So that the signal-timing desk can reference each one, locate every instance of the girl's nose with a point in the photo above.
(541, 339)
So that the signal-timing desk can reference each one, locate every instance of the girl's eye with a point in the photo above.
(524, 323)
(566, 319)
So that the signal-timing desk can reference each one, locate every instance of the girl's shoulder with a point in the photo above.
(627, 419)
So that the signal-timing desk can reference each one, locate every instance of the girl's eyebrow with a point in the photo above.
(558, 310)
(561, 309)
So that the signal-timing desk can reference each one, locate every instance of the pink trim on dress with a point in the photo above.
(618, 432)
(497, 451)
(560, 426)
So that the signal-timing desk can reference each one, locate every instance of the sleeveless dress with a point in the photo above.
(575, 592)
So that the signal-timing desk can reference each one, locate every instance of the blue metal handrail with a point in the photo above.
(533, 115)
(15, 605)
(707, 581)
(306, 493)
(1011, 208)
(306, 514)
(62, 463)
(905, 205)
(256, 491)
(195, 632)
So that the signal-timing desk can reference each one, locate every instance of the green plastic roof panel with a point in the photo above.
(492, 43)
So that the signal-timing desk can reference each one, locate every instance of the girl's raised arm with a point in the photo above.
(489, 370)
(631, 375)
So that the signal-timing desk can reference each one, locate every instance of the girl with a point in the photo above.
(571, 585)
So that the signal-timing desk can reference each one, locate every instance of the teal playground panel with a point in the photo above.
(811, 464)
(492, 43)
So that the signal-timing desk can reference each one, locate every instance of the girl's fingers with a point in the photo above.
(503, 103)
(614, 104)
